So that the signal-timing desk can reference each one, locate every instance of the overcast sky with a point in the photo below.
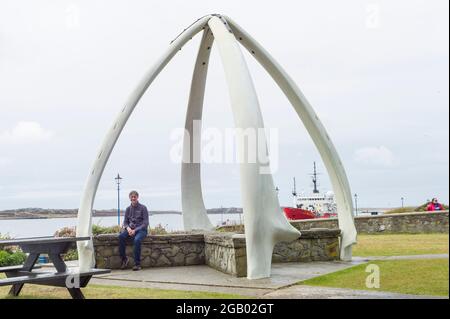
(376, 72)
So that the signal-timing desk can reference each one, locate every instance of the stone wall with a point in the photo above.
(226, 251)
(313, 245)
(423, 222)
(156, 251)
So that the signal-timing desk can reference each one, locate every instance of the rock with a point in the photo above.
(106, 251)
(100, 262)
(145, 251)
(178, 259)
(171, 251)
(162, 261)
(114, 262)
(146, 262)
(194, 259)
(155, 253)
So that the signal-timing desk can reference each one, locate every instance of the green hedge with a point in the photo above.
(11, 258)
(72, 254)
(97, 230)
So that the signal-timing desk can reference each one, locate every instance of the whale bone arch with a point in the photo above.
(265, 224)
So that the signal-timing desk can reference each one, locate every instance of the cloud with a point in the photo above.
(43, 194)
(25, 132)
(4, 161)
(375, 156)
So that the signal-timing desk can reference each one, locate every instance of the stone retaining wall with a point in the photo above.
(318, 244)
(156, 251)
(226, 251)
(414, 223)
(423, 222)
(223, 251)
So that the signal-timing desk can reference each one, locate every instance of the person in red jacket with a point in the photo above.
(434, 205)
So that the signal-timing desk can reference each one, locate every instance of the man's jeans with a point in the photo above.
(137, 238)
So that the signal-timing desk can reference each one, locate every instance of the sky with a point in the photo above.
(376, 73)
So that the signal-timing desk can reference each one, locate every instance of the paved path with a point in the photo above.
(205, 278)
(282, 283)
(405, 257)
(312, 292)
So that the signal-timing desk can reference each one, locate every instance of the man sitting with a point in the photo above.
(134, 226)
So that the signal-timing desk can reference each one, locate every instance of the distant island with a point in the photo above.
(43, 213)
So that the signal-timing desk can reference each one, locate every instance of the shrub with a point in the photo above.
(97, 229)
(11, 258)
(9, 249)
(72, 254)
(401, 210)
(4, 255)
(4, 236)
(157, 230)
(231, 228)
(66, 232)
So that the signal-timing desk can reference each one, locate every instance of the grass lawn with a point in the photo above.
(401, 244)
(419, 277)
(113, 292)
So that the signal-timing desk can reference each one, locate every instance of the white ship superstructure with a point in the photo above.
(321, 204)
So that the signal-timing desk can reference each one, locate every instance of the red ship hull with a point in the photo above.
(293, 213)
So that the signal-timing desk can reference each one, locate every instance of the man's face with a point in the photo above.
(435, 201)
(134, 199)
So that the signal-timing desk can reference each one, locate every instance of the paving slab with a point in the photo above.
(246, 292)
(281, 284)
(283, 274)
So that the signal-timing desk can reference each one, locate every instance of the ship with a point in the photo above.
(313, 205)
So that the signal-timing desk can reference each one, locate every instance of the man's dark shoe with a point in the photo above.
(137, 267)
(124, 263)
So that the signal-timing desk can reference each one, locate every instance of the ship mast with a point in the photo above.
(294, 194)
(314, 179)
(294, 191)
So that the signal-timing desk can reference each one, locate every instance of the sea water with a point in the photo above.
(19, 228)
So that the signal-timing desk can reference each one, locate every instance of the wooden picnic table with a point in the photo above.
(54, 247)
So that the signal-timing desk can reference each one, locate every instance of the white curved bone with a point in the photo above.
(265, 224)
(193, 207)
(84, 227)
(317, 132)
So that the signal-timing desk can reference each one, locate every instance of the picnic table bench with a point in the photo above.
(55, 247)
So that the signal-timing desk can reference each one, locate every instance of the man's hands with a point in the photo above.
(131, 232)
